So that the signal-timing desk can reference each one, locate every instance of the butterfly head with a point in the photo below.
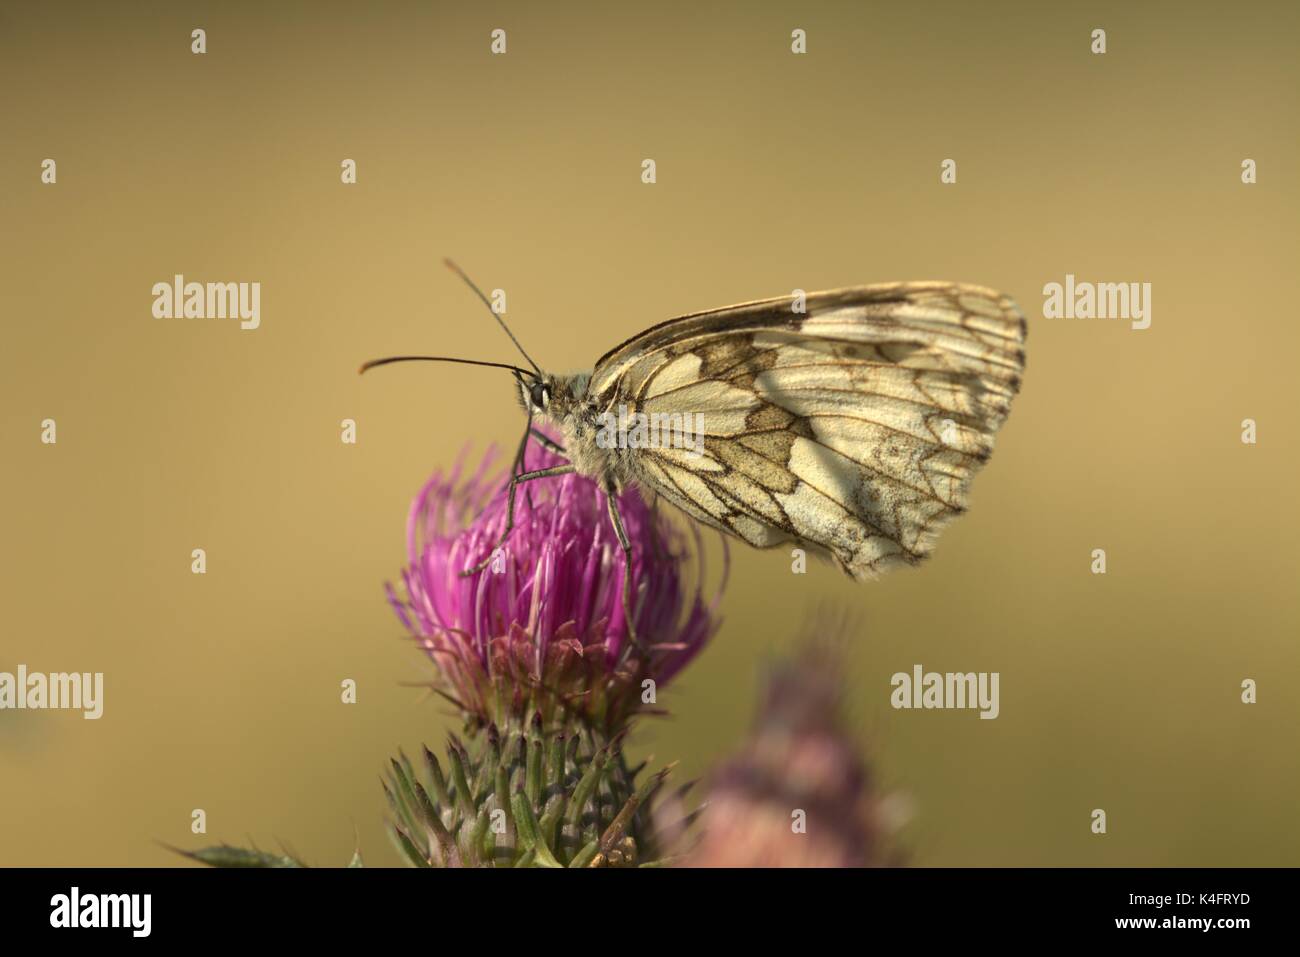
(536, 394)
(551, 396)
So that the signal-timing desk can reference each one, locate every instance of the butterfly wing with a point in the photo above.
(854, 426)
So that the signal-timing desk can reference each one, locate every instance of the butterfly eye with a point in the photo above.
(541, 395)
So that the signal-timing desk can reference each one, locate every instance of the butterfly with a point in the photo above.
(848, 422)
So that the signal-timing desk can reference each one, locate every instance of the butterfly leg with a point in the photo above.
(611, 498)
(517, 467)
(546, 442)
(515, 481)
(655, 543)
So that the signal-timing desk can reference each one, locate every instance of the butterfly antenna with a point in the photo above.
(487, 302)
(468, 362)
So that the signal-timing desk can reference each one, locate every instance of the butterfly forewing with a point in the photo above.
(854, 426)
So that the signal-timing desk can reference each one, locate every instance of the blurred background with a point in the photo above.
(775, 171)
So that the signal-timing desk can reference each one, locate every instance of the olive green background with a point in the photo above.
(775, 171)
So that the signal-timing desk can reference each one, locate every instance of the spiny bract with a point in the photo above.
(523, 797)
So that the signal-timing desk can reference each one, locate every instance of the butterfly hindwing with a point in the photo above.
(854, 427)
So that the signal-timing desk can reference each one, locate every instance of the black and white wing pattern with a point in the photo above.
(854, 426)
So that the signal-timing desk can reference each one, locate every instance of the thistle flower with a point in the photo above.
(541, 629)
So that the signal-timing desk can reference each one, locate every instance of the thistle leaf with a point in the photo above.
(226, 855)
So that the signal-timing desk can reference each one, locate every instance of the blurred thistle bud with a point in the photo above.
(798, 793)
